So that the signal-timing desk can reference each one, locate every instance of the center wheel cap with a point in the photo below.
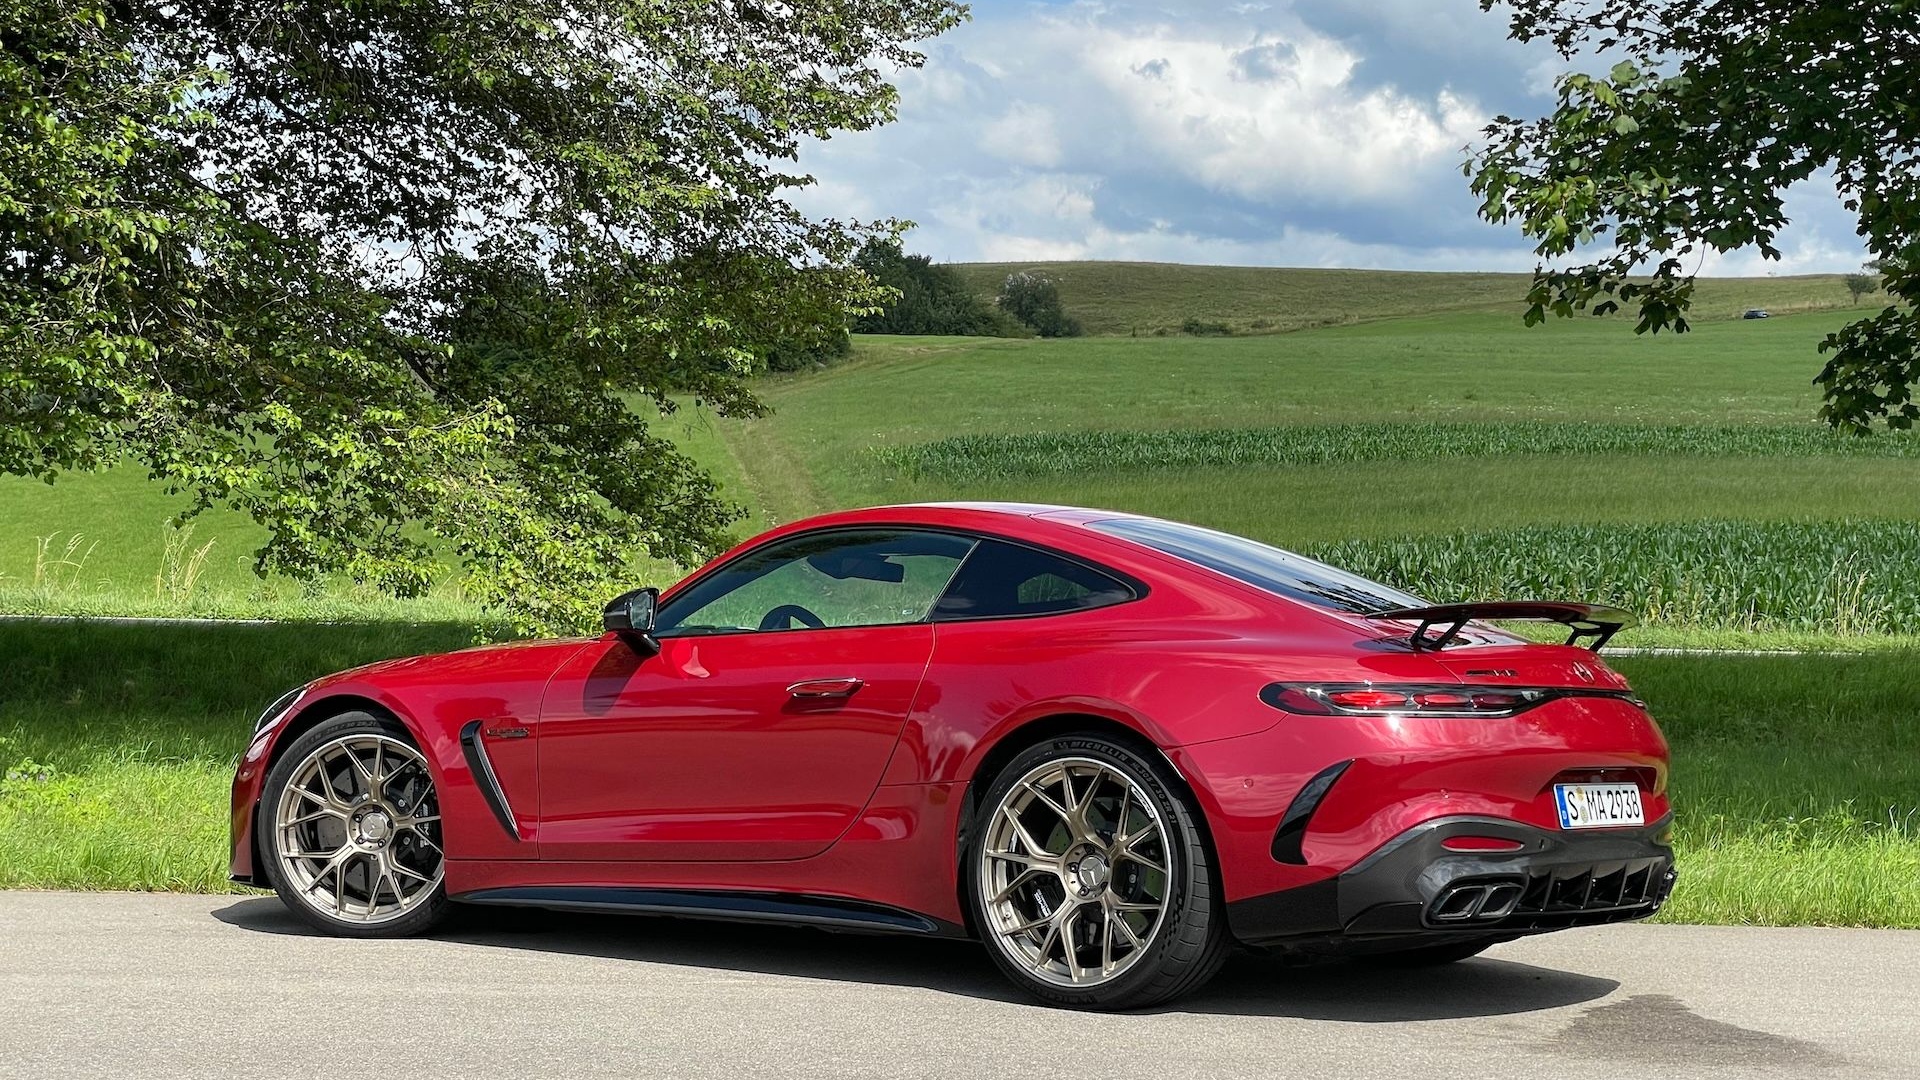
(1092, 873)
(375, 827)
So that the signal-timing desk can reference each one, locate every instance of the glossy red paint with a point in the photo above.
(697, 768)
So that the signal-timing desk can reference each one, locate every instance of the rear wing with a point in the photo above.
(1440, 625)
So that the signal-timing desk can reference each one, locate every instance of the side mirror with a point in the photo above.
(631, 616)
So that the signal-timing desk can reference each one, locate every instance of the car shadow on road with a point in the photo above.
(1249, 986)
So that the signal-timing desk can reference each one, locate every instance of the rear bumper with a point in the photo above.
(1414, 887)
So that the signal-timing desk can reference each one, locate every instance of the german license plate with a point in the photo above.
(1598, 806)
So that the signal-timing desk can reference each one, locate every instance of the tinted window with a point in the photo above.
(838, 578)
(1294, 576)
(1001, 579)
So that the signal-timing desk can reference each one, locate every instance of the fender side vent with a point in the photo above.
(1293, 823)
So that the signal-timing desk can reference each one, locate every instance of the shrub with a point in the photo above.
(826, 350)
(1205, 329)
(1033, 299)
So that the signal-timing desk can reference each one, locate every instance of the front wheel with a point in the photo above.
(1090, 879)
(350, 830)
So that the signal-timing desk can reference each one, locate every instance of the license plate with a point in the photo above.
(1598, 806)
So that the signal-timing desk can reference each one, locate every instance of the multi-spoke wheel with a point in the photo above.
(350, 827)
(1090, 879)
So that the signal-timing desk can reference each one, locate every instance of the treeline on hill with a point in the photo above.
(932, 299)
(935, 299)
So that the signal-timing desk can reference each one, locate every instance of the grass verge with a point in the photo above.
(1796, 777)
(1796, 783)
(118, 742)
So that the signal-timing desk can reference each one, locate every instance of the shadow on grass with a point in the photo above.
(77, 689)
(1249, 986)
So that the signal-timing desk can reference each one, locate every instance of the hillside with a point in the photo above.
(1125, 298)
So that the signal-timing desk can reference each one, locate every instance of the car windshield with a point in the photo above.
(1262, 565)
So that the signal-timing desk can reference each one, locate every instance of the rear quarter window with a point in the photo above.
(1001, 580)
(1263, 566)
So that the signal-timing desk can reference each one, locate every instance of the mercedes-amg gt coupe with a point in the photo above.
(1110, 747)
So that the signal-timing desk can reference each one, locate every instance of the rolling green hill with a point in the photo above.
(1127, 298)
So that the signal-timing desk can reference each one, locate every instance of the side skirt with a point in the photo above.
(793, 909)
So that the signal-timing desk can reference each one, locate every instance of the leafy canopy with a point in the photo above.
(398, 278)
(1688, 144)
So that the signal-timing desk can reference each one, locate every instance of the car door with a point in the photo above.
(765, 721)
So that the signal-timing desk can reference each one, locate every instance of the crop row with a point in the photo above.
(1001, 457)
(1840, 577)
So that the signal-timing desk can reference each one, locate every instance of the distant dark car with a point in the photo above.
(1755, 313)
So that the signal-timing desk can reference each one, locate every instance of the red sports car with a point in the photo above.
(1109, 746)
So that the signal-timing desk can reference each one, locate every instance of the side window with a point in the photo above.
(1001, 579)
(868, 577)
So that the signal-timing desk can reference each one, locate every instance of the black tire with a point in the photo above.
(426, 908)
(1188, 943)
(1429, 955)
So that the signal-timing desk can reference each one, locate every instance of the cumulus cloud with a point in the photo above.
(1297, 132)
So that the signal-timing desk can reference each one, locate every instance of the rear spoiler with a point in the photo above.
(1595, 621)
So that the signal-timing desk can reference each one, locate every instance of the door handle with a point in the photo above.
(825, 688)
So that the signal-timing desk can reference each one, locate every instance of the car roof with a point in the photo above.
(957, 515)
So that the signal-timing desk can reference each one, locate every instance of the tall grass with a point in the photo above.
(1840, 577)
(974, 458)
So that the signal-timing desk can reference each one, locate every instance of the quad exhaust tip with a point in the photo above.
(1478, 902)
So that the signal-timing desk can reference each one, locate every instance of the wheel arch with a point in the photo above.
(305, 717)
(1016, 740)
(311, 714)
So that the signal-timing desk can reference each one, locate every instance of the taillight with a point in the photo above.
(1368, 699)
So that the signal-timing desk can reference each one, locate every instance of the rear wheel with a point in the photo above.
(1090, 879)
(350, 830)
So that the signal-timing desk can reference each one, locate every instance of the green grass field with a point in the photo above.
(1416, 432)
(1147, 298)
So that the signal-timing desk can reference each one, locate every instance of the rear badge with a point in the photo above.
(1582, 670)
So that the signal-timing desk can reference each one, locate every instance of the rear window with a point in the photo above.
(1263, 566)
(1001, 579)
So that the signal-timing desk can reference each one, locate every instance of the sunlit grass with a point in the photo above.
(1795, 778)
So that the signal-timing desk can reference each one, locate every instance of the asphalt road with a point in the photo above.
(112, 985)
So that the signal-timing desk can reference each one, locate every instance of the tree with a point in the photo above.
(391, 278)
(1034, 299)
(929, 298)
(1861, 284)
(1688, 145)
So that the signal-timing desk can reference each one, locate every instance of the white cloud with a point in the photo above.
(1024, 135)
(1302, 129)
(1301, 132)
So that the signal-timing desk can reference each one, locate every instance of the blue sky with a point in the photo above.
(1286, 133)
